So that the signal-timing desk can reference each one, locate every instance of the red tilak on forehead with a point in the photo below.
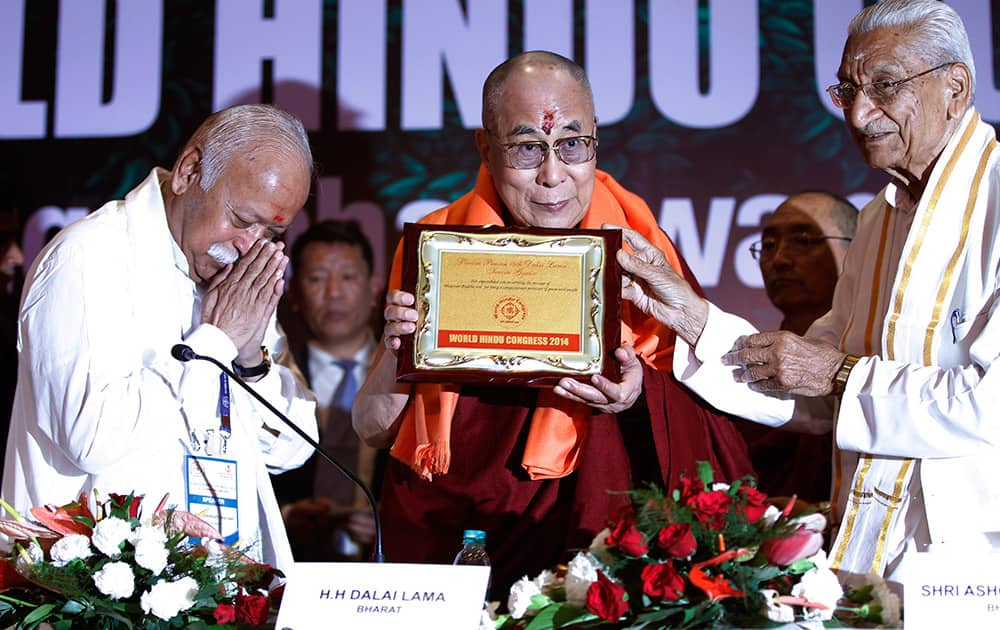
(279, 218)
(548, 119)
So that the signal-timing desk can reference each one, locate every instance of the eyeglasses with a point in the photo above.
(795, 244)
(843, 94)
(528, 155)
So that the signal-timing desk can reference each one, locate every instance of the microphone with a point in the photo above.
(184, 353)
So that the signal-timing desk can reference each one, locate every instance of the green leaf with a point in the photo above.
(705, 473)
(659, 615)
(558, 616)
(39, 614)
(800, 566)
(72, 607)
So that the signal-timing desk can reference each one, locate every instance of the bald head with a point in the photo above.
(528, 63)
(835, 215)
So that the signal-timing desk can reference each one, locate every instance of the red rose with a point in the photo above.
(252, 609)
(661, 581)
(711, 507)
(119, 500)
(606, 599)
(627, 537)
(690, 486)
(677, 540)
(224, 613)
(755, 502)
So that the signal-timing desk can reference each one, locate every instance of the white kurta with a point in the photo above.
(101, 404)
(917, 427)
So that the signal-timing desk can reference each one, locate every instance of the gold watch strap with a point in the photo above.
(840, 380)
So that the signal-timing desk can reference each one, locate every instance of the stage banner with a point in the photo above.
(712, 110)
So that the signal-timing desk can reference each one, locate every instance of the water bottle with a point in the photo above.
(473, 549)
(473, 552)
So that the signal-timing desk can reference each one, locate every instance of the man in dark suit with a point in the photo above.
(332, 297)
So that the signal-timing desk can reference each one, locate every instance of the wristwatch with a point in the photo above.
(840, 380)
(261, 369)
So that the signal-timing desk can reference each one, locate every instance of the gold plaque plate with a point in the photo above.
(511, 305)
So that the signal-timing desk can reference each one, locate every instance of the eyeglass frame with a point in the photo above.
(883, 85)
(591, 139)
(757, 252)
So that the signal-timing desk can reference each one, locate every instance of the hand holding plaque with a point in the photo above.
(509, 305)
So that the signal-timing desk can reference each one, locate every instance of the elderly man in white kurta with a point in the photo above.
(907, 351)
(101, 405)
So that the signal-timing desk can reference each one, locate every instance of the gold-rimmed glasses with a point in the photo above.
(843, 94)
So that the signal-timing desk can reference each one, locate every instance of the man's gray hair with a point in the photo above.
(938, 29)
(243, 129)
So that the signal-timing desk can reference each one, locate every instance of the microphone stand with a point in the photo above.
(184, 353)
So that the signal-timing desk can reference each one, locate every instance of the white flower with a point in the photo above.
(109, 534)
(69, 548)
(167, 599)
(599, 546)
(819, 559)
(520, 597)
(819, 585)
(116, 580)
(887, 599)
(547, 581)
(775, 610)
(719, 486)
(148, 532)
(771, 515)
(150, 553)
(580, 574)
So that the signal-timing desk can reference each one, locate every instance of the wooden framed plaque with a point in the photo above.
(510, 305)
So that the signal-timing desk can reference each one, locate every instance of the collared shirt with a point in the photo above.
(917, 414)
(101, 405)
(325, 375)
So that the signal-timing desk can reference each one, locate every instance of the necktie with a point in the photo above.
(343, 397)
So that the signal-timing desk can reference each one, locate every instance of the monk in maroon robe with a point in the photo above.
(540, 470)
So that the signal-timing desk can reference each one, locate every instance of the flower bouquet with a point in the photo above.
(72, 566)
(708, 554)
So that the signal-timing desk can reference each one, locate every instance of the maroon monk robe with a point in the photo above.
(531, 525)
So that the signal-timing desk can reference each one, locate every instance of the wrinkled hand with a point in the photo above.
(651, 283)
(361, 526)
(604, 394)
(400, 318)
(242, 297)
(784, 363)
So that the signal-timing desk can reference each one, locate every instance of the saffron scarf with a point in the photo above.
(558, 426)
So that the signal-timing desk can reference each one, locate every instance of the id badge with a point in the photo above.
(212, 494)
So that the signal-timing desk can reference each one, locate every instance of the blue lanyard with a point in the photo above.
(225, 426)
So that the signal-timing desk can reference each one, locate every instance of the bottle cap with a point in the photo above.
(473, 537)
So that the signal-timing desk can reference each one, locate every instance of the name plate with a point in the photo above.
(362, 596)
(954, 589)
(511, 305)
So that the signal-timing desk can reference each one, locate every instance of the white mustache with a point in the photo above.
(870, 131)
(222, 254)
